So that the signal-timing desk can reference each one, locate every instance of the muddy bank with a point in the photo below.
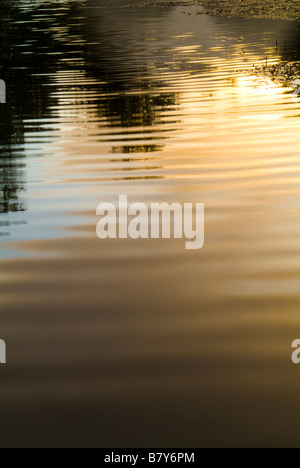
(271, 9)
(285, 74)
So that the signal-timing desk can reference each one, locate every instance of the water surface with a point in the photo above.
(141, 343)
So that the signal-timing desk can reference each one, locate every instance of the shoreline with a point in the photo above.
(288, 10)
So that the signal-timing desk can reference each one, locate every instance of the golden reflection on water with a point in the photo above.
(140, 343)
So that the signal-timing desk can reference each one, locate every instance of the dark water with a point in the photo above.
(141, 343)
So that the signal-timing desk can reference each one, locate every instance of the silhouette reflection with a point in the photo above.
(40, 40)
(45, 45)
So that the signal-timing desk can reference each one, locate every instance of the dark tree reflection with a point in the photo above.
(40, 39)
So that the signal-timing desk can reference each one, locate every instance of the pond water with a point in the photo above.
(124, 343)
